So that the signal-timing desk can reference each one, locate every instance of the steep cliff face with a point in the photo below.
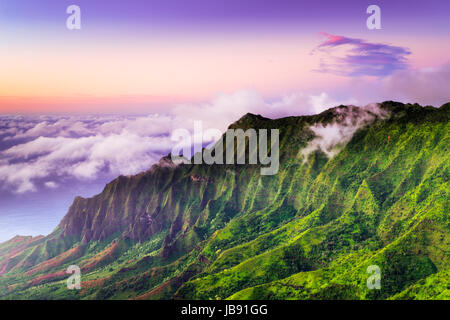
(175, 197)
(172, 197)
(354, 186)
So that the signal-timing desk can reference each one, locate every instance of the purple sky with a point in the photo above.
(407, 15)
(141, 55)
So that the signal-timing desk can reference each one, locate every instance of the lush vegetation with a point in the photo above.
(224, 231)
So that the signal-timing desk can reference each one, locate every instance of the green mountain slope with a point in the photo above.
(225, 231)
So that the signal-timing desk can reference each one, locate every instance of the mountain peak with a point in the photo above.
(248, 119)
(250, 115)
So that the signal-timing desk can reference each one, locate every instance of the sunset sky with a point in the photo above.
(146, 55)
(80, 107)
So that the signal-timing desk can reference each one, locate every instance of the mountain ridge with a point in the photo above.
(179, 223)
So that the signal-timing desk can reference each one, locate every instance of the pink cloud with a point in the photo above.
(360, 58)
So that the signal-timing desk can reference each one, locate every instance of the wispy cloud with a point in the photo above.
(356, 57)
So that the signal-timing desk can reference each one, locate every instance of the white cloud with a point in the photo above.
(82, 149)
(51, 184)
(331, 138)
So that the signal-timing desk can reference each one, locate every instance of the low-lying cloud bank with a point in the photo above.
(54, 148)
